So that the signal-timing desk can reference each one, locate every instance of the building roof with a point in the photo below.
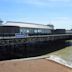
(27, 25)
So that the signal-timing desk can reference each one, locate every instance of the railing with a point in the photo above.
(55, 35)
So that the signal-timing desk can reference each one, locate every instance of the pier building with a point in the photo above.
(31, 28)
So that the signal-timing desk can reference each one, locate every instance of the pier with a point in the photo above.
(30, 46)
(28, 39)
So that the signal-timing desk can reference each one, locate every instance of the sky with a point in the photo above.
(56, 12)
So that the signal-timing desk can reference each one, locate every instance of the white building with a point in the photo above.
(26, 27)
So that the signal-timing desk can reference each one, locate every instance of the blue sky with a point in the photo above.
(56, 12)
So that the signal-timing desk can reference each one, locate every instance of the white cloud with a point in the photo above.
(62, 22)
(37, 1)
(58, 22)
(50, 3)
(59, 0)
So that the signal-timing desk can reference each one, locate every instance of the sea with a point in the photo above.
(63, 56)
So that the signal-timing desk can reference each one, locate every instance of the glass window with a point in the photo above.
(35, 30)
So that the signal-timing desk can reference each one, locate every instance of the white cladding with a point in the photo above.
(28, 25)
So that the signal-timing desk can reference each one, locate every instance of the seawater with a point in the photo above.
(65, 53)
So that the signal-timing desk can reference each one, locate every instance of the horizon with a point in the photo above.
(56, 12)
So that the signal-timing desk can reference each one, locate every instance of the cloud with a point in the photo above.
(50, 3)
(58, 22)
(37, 1)
(59, 0)
(62, 22)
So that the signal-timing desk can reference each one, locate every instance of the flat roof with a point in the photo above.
(27, 25)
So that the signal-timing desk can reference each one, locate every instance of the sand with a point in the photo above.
(37, 65)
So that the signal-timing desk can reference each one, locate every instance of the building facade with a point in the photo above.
(31, 28)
